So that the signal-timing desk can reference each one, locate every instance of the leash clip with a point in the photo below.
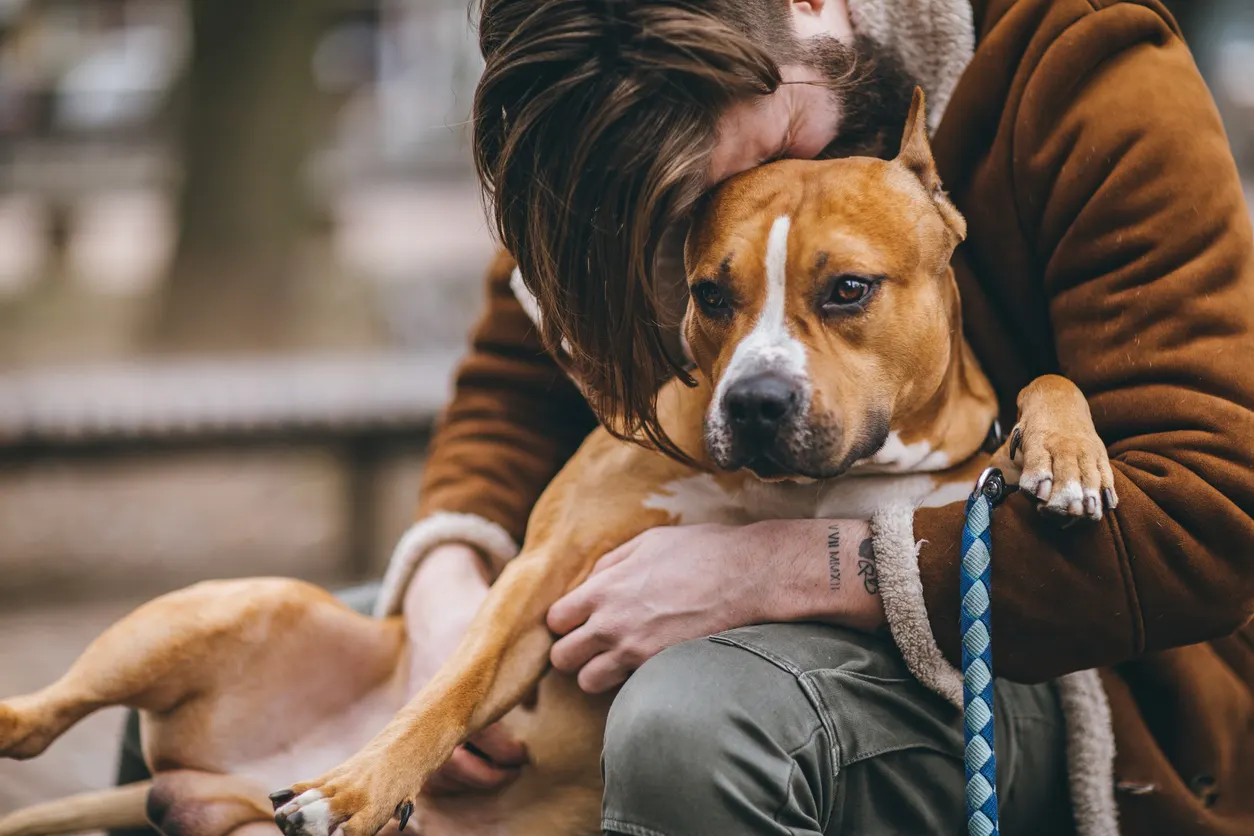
(993, 485)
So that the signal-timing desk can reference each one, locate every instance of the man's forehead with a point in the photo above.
(748, 133)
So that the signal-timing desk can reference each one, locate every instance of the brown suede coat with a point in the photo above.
(1109, 242)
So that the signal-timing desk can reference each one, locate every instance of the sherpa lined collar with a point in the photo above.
(934, 39)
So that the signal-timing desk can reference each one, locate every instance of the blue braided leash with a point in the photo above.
(977, 655)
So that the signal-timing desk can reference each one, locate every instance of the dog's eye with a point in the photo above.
(848, 290)
(711, 298)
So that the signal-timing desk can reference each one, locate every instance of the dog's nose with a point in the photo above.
(758, 405)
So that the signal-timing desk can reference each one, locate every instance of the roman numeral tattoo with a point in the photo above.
(833, 557)
(866, 567)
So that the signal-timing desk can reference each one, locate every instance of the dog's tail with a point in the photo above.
(105, 810)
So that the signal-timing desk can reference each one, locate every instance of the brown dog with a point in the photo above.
(832, 378)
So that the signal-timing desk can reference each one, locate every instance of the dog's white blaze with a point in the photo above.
(771, 326)
(769, 346)
(898, 457)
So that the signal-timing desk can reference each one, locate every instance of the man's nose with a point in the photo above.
(758, 406)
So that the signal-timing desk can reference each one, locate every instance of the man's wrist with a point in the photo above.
(831, 576)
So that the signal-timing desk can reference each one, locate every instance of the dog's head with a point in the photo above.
(823, 307)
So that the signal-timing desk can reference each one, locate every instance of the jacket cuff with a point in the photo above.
(492, 541)
(901, 590)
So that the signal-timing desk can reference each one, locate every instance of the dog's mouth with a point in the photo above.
(806, 454)
(809, 451)
(768, 468)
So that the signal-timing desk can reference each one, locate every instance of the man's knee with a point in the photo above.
(691, 701)
(710, 737)
(753, 731)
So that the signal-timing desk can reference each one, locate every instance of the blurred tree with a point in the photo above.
(248, 106)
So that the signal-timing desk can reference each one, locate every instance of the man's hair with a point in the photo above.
(593, 125)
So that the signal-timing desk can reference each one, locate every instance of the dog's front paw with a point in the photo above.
(346, 802)
(1065, 469)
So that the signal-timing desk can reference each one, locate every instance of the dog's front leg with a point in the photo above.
(582, 516)
(1055, 453)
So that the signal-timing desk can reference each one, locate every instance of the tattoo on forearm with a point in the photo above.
(866, 568)
(833, 557)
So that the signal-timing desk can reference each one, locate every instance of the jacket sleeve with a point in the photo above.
(514, 421)
(1128, 194)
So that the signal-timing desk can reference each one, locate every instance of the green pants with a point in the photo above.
(806, 729)
(809, 729)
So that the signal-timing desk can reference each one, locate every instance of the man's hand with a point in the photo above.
(439, 605)
(670, 585)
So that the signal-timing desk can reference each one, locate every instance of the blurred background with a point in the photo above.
(240, 247)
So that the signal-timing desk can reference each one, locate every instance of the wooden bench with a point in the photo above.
(358, 406)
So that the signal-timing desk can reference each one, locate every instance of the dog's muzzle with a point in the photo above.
(758, 408)
(760, 415)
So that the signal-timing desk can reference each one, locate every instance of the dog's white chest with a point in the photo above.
(700, 498)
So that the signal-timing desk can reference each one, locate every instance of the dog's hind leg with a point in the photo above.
(191, 647)
(147, 660)
(120, 807)
(191, 803)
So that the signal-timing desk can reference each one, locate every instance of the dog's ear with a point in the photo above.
(916, 155)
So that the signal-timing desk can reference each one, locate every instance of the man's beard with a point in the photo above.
(873, 91)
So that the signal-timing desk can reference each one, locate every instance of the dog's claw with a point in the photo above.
(403, 813)
(1108, 498)
(278, 799)
(1090, 505)
(1044, 489)
(291, 824)
(1016, 438)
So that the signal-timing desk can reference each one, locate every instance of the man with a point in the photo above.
(1108, 241)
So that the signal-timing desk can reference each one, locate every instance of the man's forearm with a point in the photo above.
(823, 570)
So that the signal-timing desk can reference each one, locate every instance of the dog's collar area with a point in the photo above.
(995, 438)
